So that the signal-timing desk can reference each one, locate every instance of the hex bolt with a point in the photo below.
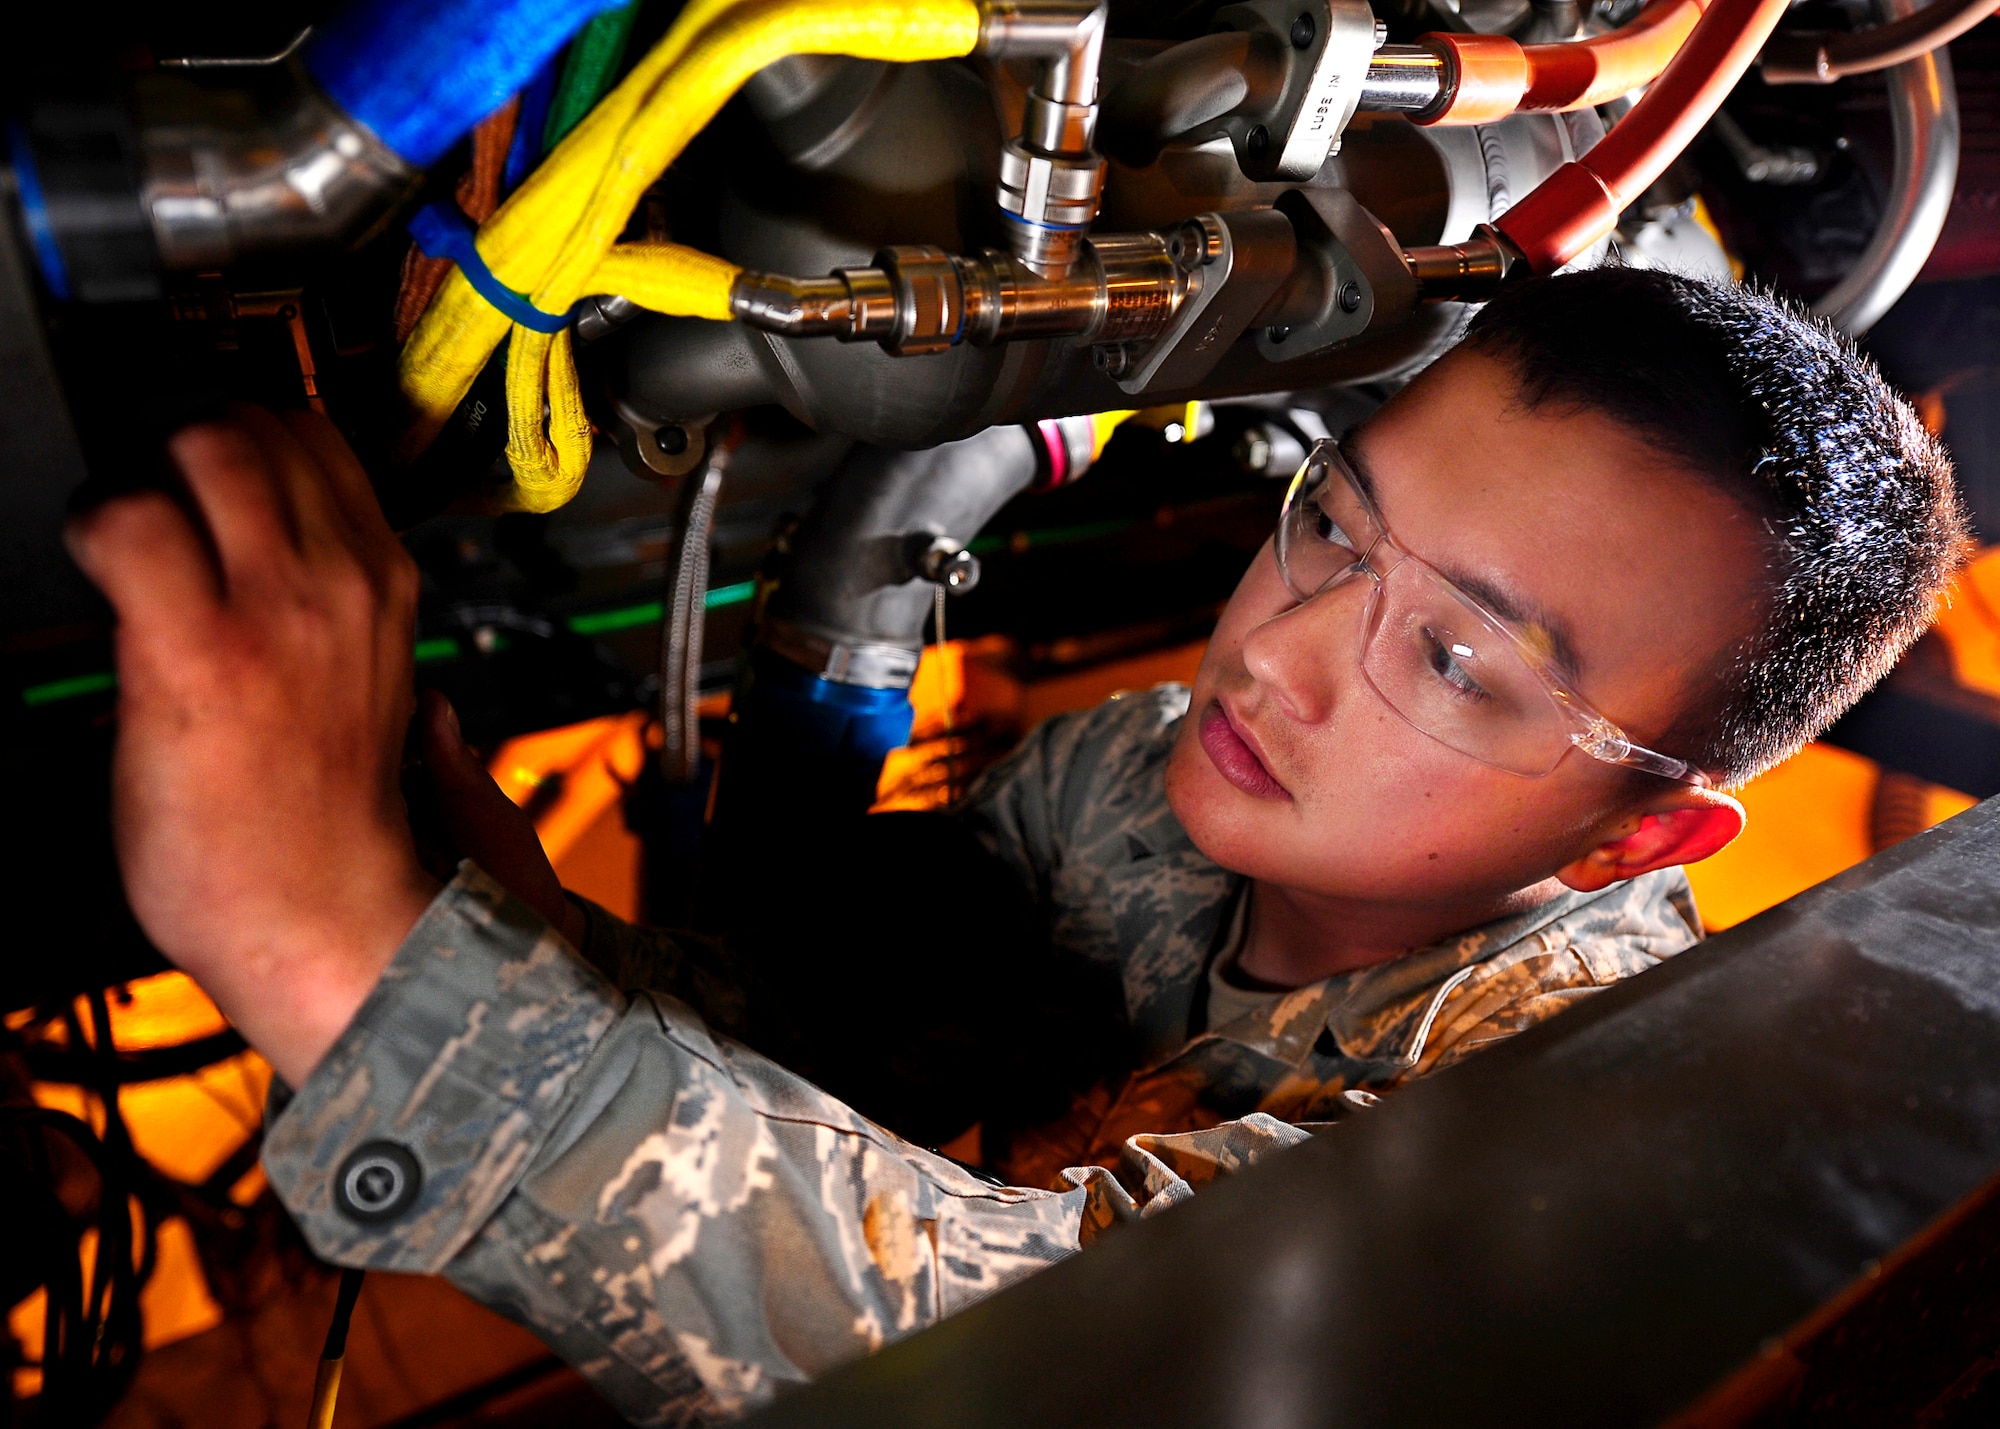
(1277, 332)
(1111, 358)
(953, 567)
(1303, 30)
(1350, 297)
(1257, 141)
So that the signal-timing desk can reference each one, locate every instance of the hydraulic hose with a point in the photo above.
(1923, 111)
(1580, 202)
(550, 239)
(1821, 56)
(1450, 78)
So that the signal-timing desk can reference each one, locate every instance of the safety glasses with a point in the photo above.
(1453, 669)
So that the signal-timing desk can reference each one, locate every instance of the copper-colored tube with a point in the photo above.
(1580, 202)
(1583, 74)
(1821, 56)
(1492, 76)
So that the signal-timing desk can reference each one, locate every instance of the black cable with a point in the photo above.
(343, 1313)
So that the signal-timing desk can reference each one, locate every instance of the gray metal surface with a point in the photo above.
(1693, 1190)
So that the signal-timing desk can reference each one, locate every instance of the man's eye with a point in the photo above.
(1327, 529)
(1445, 654)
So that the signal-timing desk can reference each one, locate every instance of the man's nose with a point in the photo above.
(1307, 654)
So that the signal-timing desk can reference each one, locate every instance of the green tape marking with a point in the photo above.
(75, 687)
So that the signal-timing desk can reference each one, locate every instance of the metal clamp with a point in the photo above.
(1363, 282)
(1236, 261)
(1324, 48)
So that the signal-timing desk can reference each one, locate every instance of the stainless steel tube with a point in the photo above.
(1402, 79)
(1923, 112)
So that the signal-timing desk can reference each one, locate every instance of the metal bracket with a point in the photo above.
(1323, 77)
(1246, 256)
(1365, 281)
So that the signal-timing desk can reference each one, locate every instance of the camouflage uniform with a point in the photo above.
(694, 1228)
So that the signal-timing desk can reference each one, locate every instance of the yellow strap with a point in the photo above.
(555, 235)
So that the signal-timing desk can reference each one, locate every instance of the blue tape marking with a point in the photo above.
(1050, 227)
(442, 232)
(35, 213)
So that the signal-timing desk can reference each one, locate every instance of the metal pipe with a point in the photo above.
(1403, 79)
(916, 299)
(219, 181)
(1923, 112)
(1817, 57)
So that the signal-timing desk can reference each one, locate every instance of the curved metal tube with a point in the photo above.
(1923, 111)
(1816, 57)
(221, 181)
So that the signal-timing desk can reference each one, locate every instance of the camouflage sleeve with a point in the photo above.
(687, 1223)
(700, 971)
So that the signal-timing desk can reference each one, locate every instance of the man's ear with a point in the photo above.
(1683, 827)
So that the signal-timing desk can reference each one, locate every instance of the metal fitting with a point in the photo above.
(1468, 272)
(1318, 53)
(947, 563)
(1051, 177)
(1404, 79)
(920, 299)
(220, 181)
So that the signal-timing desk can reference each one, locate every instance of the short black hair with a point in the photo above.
(1865, 523)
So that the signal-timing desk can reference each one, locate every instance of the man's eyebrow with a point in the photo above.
(1548, 632)
(1364, 476)
(1542, 628)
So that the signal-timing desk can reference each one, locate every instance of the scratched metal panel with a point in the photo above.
(1597, 1223)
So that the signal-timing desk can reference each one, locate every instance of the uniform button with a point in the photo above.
(378, 1182)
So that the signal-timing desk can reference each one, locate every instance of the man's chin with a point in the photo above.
(1228, 827)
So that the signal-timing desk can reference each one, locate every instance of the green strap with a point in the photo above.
(588, 70)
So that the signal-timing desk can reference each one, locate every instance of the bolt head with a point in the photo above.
(1258, 141)
(672, 440)
(1350, 297)
(1277, 332)
(1303, 31)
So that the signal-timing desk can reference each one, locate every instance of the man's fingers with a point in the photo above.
(318, 520)
(232, 482)
(147, 557)
(346, 480)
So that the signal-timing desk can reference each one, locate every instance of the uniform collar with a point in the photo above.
(1383, 1014)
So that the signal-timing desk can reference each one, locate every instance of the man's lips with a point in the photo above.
(1234, 756)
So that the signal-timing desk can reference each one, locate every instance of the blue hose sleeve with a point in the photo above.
(420, 73)
(35, 213)
(827, 718)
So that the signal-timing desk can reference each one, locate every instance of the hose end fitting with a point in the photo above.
(1468, 272)
(1051, 176)
(1485, 77)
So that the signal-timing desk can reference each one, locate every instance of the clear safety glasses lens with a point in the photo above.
(1435, 659)
(1325, 530)
(1451, 672)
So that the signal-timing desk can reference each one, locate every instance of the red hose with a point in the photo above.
(1580, 202)
(1492, 76)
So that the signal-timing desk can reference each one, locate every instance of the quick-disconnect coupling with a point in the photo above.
(1122, 287)
(1051, 176)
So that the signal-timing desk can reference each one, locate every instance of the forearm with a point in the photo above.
(608, 1172)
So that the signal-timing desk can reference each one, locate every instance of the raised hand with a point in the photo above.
(264, 660)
